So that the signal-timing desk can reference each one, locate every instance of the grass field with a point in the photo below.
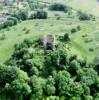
(90, 6)
(37, 28)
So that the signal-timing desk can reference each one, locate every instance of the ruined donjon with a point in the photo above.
(49, 42)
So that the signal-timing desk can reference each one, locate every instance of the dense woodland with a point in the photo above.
(34, 72)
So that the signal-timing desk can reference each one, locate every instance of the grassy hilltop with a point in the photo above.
(32, 67)
(16, 34)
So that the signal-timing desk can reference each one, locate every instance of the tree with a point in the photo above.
(62, 82)
(66, 37)
(8, 23)
(73, 67)
(97, 96)
(76, 89)
(83, 16)
(14, 19)
(58, 7)
(87, 76)
(49, 86)
(22, 75)
(40, 14)
(49, 74)
(36, 86)
(73, 30)
(34, 71)
(75, 98)
(88, 98)
(8, 74)
(19, 88)
(21, 15)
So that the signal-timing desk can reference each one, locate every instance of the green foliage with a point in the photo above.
(76, 29)
(66, 37)
(97, 96)
(1, 26)
(87, 76)
(88, 98)
(84, 16)
(73, 30)
(48, 74)
(39, 14)
(37, 88)
(57, 58)
(21, 15)
(13, 19)
(8, 23)
(58, 7)
(7, 74)
(20, 87)
(74, 66)
(2, 37)
(49, 86)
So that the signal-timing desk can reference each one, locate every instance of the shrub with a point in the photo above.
(14, 19)
(21, 15)
(91, 49)
(92, 17)
(58, 17)
(27, 31)
(8, 29)
(78, 28)
(1, 26)
(24, 29)
(88, 40)
(73, 30)
(8, 23)
(58, 7)
(83, 16)
(2, 37)
(7, 74)
(40, 14)
(49, 86)
(66, 37)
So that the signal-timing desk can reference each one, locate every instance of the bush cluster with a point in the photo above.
(11, 21)
(14, 19)
(21, 15)
(35, 73)
(58, 7)
(76, 29)
(84, 16)
(40, 14)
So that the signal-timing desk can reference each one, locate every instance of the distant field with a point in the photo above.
(91, 6)
(86, 5)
